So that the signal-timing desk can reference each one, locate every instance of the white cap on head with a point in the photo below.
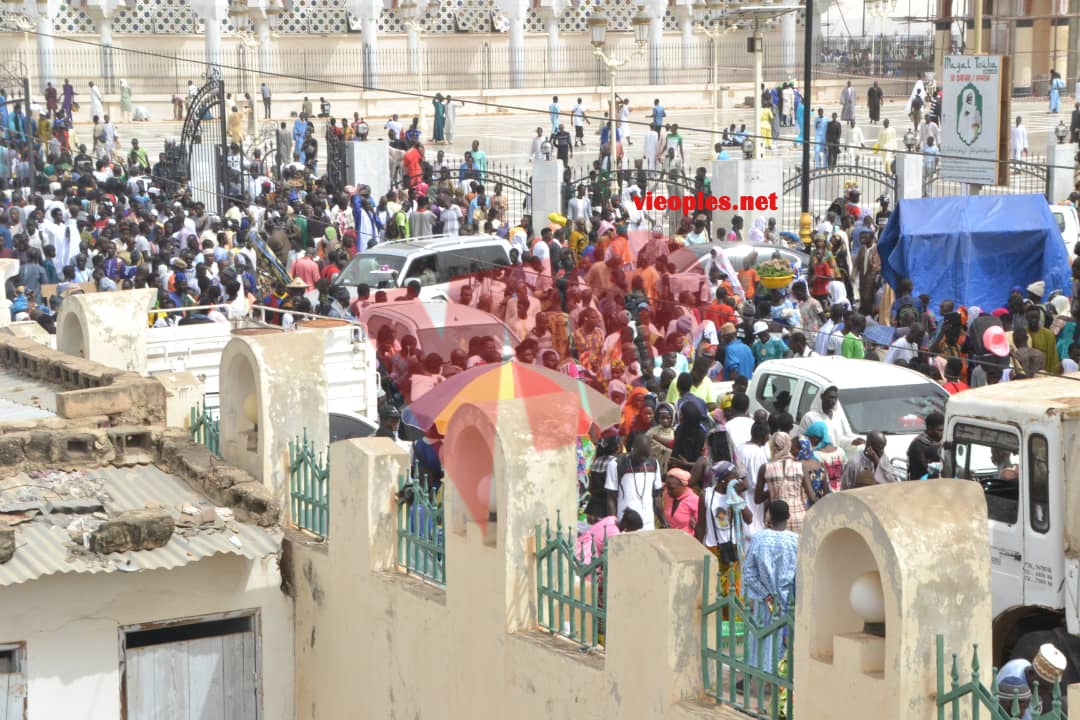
(761, 326)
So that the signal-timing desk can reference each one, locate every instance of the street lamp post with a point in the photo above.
(414, 17)
(805, 220)
(711, 20)
(598, 30)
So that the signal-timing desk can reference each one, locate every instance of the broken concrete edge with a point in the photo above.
(80, 447)
(90, 388)
(145, 529)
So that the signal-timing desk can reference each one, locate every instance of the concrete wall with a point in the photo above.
(372, 642)
(71, 627)
(109, 328)
(285, 374)
(929, 543)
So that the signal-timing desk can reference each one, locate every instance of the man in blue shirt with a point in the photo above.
(553, 110)
(658, 114)
(738, 358)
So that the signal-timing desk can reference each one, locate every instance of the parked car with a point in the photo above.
(693, 257)
(873, 395)
(433, 261)
(438, 327)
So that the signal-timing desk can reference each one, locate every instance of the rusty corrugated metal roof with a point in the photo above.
(43, 546)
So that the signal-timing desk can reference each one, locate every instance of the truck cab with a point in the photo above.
(1015, 440)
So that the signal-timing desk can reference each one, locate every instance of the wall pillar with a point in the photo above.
(46, 50)
(369, 29)
(517, 51)
(686, 27)
(656, 50)
(1072, 46)
(1060, 48)
(1042, 43)
(412, 42)
(736, 178)
(942, 46)
(909, 177)
(1060, 163)
(787, 36)
(1023, 36)
(551, 23)
(108, 79)
(546, 186)
(262, 31)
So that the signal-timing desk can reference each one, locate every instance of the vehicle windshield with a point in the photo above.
(376, 270)
(992, 457)
(443, 340)
(897, 410)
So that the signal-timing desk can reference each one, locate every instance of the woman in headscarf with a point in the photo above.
(1063, 325)
(830, 457)
(616, 392)
(689, 437)
(631, 412)
(662, 435)
(680, 502)
(757, 230)
(783, 479)
(838, 294)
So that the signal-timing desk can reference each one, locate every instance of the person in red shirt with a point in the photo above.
(954, 368)
(411, 164)
(720, 310)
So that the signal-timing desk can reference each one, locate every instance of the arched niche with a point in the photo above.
(470, 455)
(241, 406)
(71, 335)
(842, 557)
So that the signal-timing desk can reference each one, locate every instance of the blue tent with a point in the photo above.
(972, 249)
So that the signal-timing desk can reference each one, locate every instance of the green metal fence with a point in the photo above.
(205, 427)
(745, 650)
(309, 486)
(570, 592)
(421, 529)
(972, 699)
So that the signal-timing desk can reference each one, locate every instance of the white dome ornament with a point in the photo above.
(868, 601)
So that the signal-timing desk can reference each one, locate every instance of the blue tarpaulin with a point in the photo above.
(973, 249)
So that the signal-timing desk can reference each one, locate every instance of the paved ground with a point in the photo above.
(507, 137)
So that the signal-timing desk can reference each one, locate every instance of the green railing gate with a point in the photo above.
(309, 486)
(421, 530)
(745, 655)
(972, 698)
(205, 428)
(570, 593)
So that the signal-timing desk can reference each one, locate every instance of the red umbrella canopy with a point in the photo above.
(560, 409)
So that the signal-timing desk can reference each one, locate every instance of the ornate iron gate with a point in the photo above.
(203, 151)
(657, 182)
(1026, 177)
(516, 187)
(336, 163)
(828, 184)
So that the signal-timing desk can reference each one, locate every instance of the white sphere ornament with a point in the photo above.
(251, 409)
(867, 598)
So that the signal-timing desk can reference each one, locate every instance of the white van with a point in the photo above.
(873, 395)
(1068, 223)
(434, 261)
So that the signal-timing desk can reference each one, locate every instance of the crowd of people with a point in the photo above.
(658, 319)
